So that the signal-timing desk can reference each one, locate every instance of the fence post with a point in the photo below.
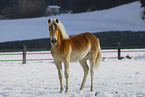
(119, 51)
(24, 54)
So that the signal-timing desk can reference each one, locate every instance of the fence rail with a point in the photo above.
(23, 55)
(26, 60)
(43, 53)
(28, 53)
(123, 50)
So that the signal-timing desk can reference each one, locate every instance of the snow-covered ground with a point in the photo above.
(122, 18)
(114, 78)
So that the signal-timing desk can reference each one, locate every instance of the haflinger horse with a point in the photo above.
(75, 48)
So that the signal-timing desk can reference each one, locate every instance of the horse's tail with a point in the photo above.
(98, 59)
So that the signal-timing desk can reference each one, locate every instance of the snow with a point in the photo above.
(114, 78)
(122, 18)
(54, 6)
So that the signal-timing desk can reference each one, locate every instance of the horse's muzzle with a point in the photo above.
(53, 41)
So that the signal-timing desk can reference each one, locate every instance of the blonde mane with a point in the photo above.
(63, 31)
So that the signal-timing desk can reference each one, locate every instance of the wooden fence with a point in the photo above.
(114, 53)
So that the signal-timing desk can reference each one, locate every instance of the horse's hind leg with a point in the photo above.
(92, 58)
(86, 71)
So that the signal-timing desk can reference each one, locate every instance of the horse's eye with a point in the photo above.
(57, 29)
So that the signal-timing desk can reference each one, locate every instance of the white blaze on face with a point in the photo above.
(53, 37)
(53, 28)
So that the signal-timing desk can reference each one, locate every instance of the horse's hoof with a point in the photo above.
(92, 89)
(67, 91)
(82, 87)
(61, 91)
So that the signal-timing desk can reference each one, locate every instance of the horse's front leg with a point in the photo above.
(59, 68)
(66, 65)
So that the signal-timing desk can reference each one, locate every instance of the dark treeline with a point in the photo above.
(108, 40)
(22, 8)
(143, 3)
(36, 8)
(91, 5)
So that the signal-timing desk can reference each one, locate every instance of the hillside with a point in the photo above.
(123, 18)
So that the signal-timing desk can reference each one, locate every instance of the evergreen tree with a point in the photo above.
(143, 3)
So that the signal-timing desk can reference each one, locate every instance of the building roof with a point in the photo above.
(53, 6)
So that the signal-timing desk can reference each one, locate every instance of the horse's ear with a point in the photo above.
(57, 21)
(49, 20)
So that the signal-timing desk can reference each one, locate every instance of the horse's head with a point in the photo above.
(53, 30)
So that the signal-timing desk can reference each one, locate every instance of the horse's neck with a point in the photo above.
(59, 39)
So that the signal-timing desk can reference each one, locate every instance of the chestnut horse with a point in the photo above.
(76, 48)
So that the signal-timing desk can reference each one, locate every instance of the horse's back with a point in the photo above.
(79, 41)
(83, 39)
